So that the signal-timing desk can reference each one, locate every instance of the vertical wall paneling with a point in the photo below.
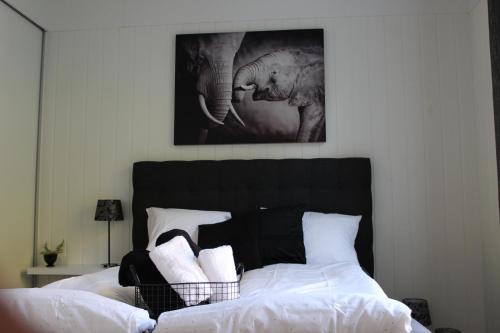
(472, 234)
(361, 119)
(95, 231)
(397, 131)
(76, 110)
(382, 197)
(453, 182)
(416, 229)
(124, 128)
(141, 75)
(159, 117)
(398, 90)
(434, 161)
(342, 69)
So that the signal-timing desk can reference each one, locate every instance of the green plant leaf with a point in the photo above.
(46, 250)
(60, 247)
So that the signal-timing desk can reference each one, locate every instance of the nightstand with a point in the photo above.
(51, 274)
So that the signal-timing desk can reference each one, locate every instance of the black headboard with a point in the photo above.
(325, 185)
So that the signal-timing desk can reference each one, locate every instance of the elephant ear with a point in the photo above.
(192, 48)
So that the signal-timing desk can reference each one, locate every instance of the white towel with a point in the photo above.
(218, 265)
(177, 263)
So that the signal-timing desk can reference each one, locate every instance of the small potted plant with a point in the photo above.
(49, 255)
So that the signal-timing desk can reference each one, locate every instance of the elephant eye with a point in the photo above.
(272, 77)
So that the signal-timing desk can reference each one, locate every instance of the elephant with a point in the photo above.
(211, 59)
(296, 75)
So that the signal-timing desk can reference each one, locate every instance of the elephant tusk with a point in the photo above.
(203, 105)
(245, 87)
(233, 111)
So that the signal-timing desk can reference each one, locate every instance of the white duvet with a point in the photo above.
(338, 298)
(77, 311)
(104, 283)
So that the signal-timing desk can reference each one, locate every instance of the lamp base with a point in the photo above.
(109, 265)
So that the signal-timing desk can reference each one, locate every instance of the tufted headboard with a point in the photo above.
(325, 185)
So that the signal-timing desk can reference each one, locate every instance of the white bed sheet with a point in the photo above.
(338, 298)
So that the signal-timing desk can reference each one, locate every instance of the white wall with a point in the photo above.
(400, 91)
(20, 54)
(489, 217)
(63, 15)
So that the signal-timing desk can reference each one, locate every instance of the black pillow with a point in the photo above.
(167, 236)
(145, 268)
(243, 236)
(158, 299)
(281, 235)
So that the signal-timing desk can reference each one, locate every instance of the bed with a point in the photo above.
(340, 297)
(323, 185)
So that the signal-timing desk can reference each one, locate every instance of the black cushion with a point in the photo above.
(281, 236)
(145, 268)
(242, 235)
(166, 236)
(159, 299)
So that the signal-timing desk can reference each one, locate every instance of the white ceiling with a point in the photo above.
(58, 15)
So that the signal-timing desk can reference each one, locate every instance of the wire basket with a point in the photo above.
(158, 298)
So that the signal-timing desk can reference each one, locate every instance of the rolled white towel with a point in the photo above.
(177, 263)
(218, 265)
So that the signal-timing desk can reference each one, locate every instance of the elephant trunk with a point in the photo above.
(244, 80)
(215, 86)
(222, 90)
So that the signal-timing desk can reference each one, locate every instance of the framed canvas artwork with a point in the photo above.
(250, 87)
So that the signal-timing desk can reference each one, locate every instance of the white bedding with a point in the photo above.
(104, 283)
(338, 298)
(78, 311)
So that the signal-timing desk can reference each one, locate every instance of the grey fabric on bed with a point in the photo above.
(324, 185)
(418, 328)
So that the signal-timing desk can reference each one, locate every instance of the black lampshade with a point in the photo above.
(109, 210)
(419, 310)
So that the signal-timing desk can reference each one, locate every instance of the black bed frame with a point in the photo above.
(324, 185)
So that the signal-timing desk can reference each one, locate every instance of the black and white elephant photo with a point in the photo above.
(252, 87)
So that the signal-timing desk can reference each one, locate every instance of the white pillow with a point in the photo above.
(329, 238)
(177, 264)
(63, 310)
(161, 220)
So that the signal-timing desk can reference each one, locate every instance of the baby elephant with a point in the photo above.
(293, 74)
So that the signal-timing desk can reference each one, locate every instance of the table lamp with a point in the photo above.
(109, 210)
